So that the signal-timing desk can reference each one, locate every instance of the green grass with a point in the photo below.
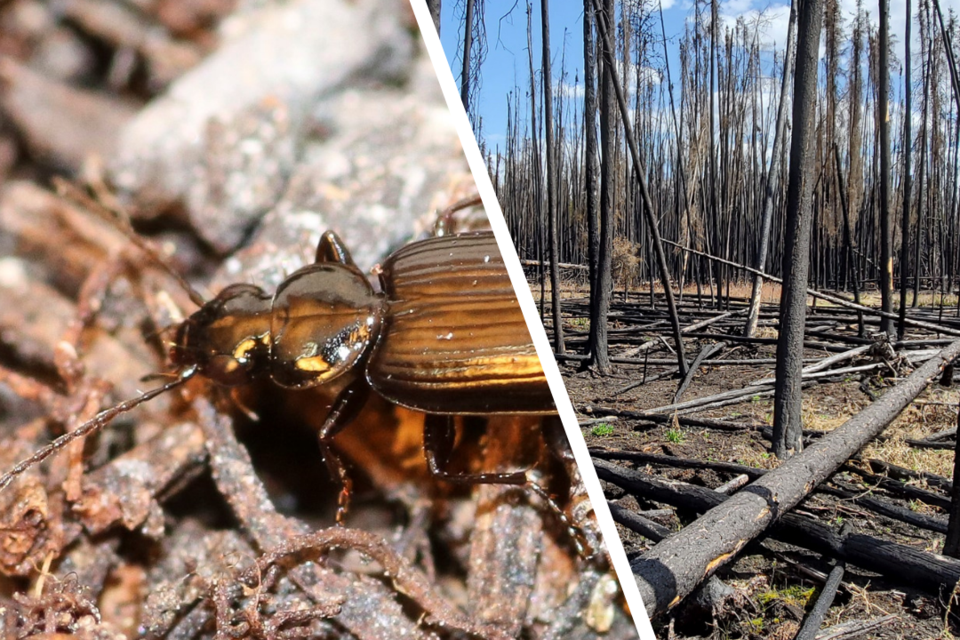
(602, 429)
(795, 594)
(675, 435)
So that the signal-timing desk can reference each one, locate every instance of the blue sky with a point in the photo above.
(506, 64)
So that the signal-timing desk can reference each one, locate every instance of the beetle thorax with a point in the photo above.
(325, 319)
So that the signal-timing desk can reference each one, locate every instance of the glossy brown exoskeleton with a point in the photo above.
(444, 336)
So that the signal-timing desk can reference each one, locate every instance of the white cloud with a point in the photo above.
(770, 22)
(567, 90)
(774, 18)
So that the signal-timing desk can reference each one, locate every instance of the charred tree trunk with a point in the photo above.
(883, 112)
(535, 174)
(608, 133)
(590, 158)
(787, 424)
(651, 218)
(554, 241)
(773, 176)
(907, 149)
(467, 45)
(434, 7)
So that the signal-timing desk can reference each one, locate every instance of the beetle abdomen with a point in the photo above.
(454, 340)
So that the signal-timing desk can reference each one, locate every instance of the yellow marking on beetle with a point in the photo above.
(244, 348)
(316, 364)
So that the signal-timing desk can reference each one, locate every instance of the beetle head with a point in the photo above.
(228, 339)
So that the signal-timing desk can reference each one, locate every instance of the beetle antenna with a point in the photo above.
(121, 221)
(92, 426)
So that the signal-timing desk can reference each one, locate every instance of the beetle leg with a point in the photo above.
(439, 433)
(332, 249)
(345, 408)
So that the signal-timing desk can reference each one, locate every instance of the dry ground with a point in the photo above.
(774, 592)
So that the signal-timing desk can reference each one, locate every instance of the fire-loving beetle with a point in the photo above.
(444, 336)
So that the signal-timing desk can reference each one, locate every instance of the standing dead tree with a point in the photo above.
(597, 343)
(601, 290)
(638, 169)
(773, 176)
(552, 232)
(787, 421)
(883, 122)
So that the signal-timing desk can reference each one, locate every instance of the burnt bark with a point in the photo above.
(886, 235)
(554, 241)
(591, 170)
(951, 545)
(814, 619)
(600, 294)
(773, 176)
(467, 46)
(787, 423)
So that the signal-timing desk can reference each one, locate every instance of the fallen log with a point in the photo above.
(942, 435)
(824, 374)
(675, 462)
(733, 484)
(639, 362)
(826, 296)
(898, 563)
(673, 568)
(726, 395)
(900, 489)
(661, 418)
(926, 444)
(731, 401)
(710, 321)
(705, 353)
(846, 492)
(811, 624)
(901, 473)
(832, 360)
(638, 523)
(855, 628)
(808, 344)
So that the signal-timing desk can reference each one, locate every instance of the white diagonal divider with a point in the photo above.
(499, 225)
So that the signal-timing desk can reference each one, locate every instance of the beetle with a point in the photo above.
(445, 336)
